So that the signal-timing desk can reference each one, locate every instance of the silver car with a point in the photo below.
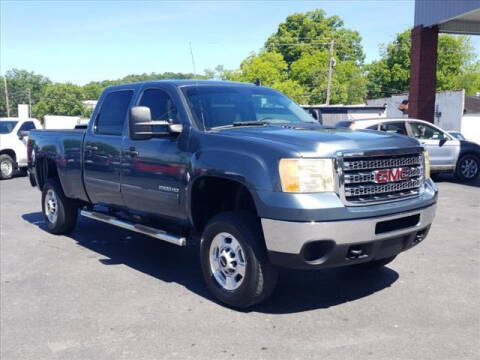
(447, 153)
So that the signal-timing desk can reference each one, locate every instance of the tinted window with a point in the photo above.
(423, 131)
(27, 126)
(113, 113)
(7, 126)
(214, 106)
(397, 128)
(161, 105)
(373, 127)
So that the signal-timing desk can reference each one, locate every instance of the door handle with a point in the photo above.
(91, 148)
(132, 151)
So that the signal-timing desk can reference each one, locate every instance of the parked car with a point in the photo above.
(447, 153)
(244, 171)
(13, 144)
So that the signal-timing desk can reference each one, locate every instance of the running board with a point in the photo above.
(142, 229)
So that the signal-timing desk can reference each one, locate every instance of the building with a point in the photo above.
(329, 115)
(453, 111)
(432, 18)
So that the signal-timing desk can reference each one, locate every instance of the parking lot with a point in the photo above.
(106, 293)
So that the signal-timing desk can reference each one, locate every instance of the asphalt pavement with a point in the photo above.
(106, 293)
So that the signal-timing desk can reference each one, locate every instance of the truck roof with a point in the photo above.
(180, 83)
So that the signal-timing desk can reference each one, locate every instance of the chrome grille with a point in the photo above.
(380, 178)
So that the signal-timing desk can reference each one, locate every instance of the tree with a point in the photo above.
(391, 74)
(19, 82)
(296, 60)
(302, 33)
(60, 99)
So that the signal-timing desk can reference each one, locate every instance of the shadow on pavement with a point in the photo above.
(443, 177)
(296, 290)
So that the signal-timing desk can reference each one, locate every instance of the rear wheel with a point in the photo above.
(468, 168)
(376, 264)
(234, 261)
(7, 166)
(59, 212)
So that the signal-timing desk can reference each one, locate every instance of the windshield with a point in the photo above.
(217, 106)
(7, 126)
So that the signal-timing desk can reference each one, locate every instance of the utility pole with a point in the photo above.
(29, 92)
(6, 95)
(330, 71)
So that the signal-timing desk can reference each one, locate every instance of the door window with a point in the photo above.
(426, 132)
(113, 113)
(27, 126)
(161, 106)
(396, 128)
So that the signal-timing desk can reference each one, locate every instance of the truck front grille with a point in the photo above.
(381, 177)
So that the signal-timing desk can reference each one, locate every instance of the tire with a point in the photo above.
(7, 167)
(60, 213)
(229, 240)
(375, 264)
(468, 168)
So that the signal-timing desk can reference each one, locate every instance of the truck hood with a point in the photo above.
(314, 140)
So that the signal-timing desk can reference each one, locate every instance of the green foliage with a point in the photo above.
(301, 33)
(19, 82)
(297, 56)
(391, 74)
(60, 99)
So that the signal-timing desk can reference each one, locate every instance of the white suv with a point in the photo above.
(13, 144)
(447, 153)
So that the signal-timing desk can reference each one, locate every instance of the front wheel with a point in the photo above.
(234, 260)
(7, 166)
(468, 168)
(60, 213)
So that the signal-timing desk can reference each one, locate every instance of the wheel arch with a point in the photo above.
(210, 195)
(11, 153)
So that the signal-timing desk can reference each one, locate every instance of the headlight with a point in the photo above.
(306, 175)
(426, 160)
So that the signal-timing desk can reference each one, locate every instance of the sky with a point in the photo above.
(82, 41)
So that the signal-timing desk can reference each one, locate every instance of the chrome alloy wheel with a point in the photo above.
(51, 206)
(227, 261)
(6, 168)
(469, 168)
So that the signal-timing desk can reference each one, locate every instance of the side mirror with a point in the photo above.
(141, 124)
(22, 134)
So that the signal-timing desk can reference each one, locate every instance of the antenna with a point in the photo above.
(193, 60)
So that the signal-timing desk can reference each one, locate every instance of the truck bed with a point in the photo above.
(64, 148)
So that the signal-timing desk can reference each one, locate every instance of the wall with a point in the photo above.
(60, 122)
(471, 127)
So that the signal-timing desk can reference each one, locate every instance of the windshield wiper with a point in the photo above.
(242, 123)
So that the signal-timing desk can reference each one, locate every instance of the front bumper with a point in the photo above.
(339, 243)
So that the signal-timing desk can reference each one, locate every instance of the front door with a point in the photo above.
(155, 170)
(441, 147)
(102, 149)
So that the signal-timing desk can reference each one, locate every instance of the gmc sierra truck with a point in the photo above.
(242, 170)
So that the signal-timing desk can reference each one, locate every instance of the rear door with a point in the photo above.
(102, 149)
(155, 170)
(441, 147)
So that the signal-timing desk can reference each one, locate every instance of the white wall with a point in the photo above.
(471, 127)
(60, 122)
(450, 105)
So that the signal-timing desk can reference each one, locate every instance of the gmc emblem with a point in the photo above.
(389, 175)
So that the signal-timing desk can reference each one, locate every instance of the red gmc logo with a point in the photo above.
(389, 175)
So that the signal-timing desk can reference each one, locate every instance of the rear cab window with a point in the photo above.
(111, 117)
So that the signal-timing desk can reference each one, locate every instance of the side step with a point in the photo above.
(142, 229)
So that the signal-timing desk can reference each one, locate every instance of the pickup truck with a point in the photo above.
(243, 172)
(13, 144)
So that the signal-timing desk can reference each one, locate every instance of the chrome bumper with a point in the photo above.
(289, 237)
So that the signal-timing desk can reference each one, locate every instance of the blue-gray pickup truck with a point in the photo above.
(241, 170)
